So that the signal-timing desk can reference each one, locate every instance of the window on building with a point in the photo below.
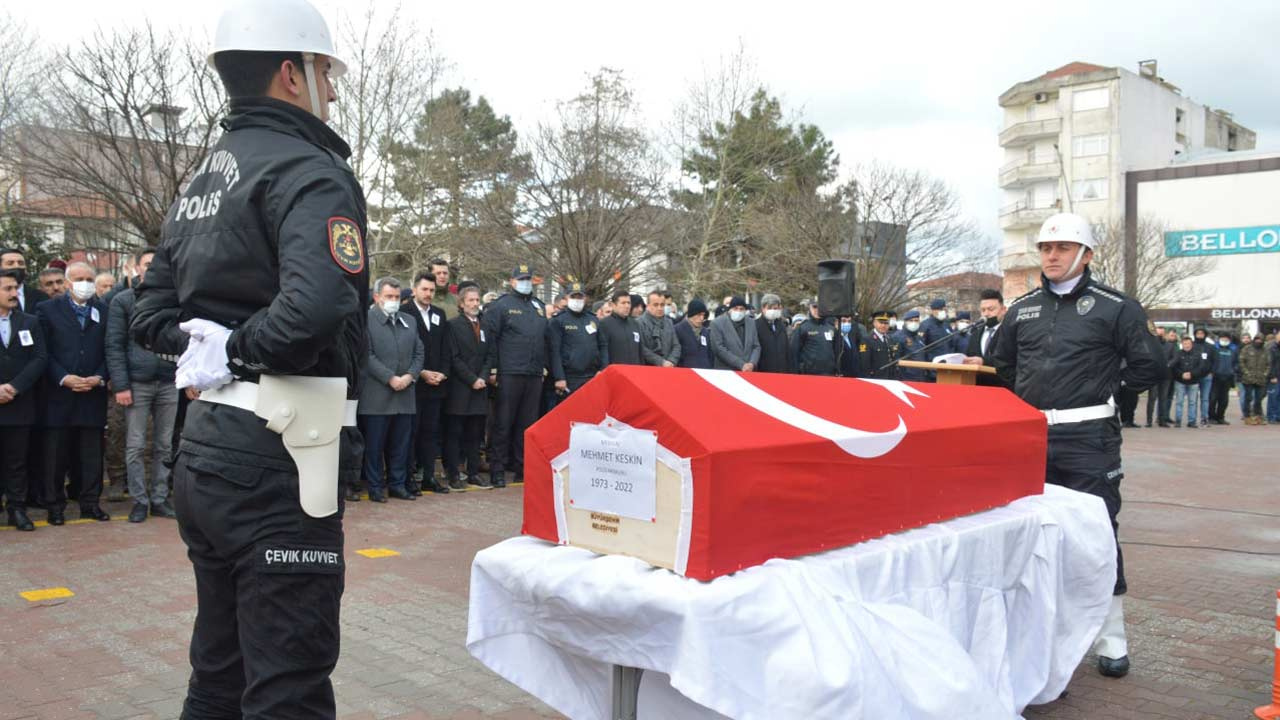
(1031, 112)
(1091, 189)
(1086, 145)
(1095, 99)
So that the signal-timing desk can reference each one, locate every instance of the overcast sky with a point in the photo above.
(912, 83)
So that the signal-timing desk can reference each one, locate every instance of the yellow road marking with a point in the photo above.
(377, 552)
(46, 594)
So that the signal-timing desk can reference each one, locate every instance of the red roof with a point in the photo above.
(964, 280)
(1072, 68)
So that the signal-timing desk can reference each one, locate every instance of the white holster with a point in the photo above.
(309, 413)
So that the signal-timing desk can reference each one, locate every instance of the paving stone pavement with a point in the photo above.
(1200, 620)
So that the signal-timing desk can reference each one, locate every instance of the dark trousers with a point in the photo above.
(462, 437)
(35, 466)
(1220, 397)
(426, 436)
(392, 436)
(572, 384)
(1088, 460)
(518, 397)
(78, 450)
(269, 581)
(1128, 402)
(13, 465)
(1253, 400)
(1158, 399)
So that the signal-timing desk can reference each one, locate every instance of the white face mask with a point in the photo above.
(82, 290)
(941, 314)
(390, 307)
(524, 287)
(962, 325)
(1224, 342)
(734, 315)
(913, 326)
(772, 314)
(576, 304)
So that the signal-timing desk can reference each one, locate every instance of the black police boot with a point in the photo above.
(138, 513)
(353, 494)
(435, 486)
(163, 509)
(498, 480)
(57, 517)
(401, 494)
(94, 513)
(456, 483)
(1113, 667)
(377, 496)
(17, 517)
(413, 487)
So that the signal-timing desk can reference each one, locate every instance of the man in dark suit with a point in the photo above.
(771, 330)
(29, 296)
(22, 361)
(467, 399)
(982, 341)
(75, 328)
(431, 385)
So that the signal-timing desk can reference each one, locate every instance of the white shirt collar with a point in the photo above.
(1065, 288)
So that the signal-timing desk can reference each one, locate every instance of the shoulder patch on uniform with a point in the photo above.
(1102, 292)
(346, 245)
(1026, 296)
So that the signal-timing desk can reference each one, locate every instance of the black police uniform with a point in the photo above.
(578, 349)
(881, 350)
(815, 347)
(268, 240)
(910, 345)
(515, 327)
(1066, 352)
(933, 330)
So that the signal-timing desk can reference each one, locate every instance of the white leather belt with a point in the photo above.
(1075, 415)
(244, 395)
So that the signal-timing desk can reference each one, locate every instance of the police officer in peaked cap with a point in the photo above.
(260, 286)
(515, 326)
(1067, 348)
(577, 348)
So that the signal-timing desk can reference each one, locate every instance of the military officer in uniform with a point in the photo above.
(516, 326)
(910, 345)
(577, 348)
(260, 285)
(1067, 348)
(881, 349)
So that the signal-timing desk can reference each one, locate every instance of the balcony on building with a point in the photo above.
(1022, 215)
(1024, 172)
(1030, 131)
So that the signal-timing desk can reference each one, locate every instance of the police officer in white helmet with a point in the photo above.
(1067, 348)
(260, 285)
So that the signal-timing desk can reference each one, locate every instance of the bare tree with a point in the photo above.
(121, 124)
(592, 206)
(20, 60)
(1161, 279)
(393, 68)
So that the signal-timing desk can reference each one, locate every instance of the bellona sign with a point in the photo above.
(1227, 241)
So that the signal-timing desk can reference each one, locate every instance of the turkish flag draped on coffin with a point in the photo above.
(786, 465)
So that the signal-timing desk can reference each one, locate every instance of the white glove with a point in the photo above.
(203, 365)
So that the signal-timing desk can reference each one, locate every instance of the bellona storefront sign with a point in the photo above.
(1226, 241)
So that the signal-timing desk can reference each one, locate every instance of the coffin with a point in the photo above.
(706, 472)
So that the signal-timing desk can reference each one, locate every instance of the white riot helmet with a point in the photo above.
(1068, 227)
(278, 26)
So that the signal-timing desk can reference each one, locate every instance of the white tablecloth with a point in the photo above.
(976, 617)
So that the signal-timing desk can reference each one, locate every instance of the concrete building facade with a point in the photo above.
(1071, 134)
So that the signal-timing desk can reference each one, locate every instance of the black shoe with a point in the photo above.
(478, 481)
(1129, 425)
(377, 496)
(1147, 425)
(57, 517)
(1224, 422)
(498, 480)
(163, 509)
(353, 495)
(1116, 668)
(138, 513)
(413, 488)
(18, 518)
(401, 494)
(457, 484)
(1165, 424)
(437, 487)
(94, 513)
(1178, 424)
(1191, 426)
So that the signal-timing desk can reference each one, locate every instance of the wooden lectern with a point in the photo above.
(949, 374)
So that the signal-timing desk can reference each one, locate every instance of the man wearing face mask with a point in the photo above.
(771, 329)
(911, 345)
(963, 331)
(388, 402)
(75, 329)
(981, 348)
(935, 327)
(621, 333)
(1067, 348)
(1206, 350)
(853, 349)
(260, 286)
(577, 348)
(516, 329)
(658, 343)
(734, 345)
(815, 347)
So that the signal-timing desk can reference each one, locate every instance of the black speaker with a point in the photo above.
(835, 288)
